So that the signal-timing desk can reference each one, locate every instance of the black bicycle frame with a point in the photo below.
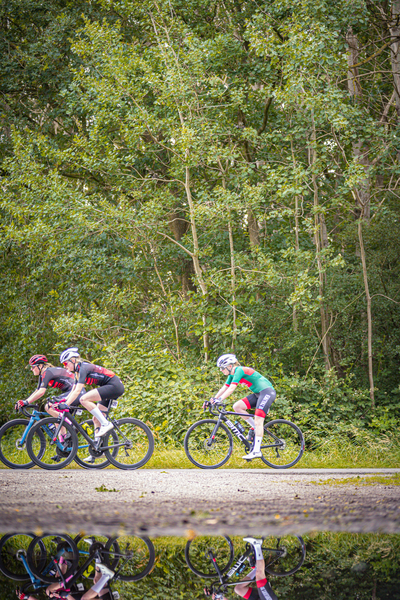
(87, 437)
(222, 417)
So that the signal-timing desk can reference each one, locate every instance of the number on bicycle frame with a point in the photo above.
(114, 403)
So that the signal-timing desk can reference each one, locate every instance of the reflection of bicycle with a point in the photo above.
(129, 445)
(13, 438)
(209, 443)
(49, 558)
(210, 556)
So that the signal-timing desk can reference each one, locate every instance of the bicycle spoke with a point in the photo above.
(131, 557)
(284, 555)
(282, 444)
(136, 444)
(204, 447)
(13, 452)
(198, 559)
(59, 453)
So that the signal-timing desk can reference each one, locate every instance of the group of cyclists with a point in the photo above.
(76, 373)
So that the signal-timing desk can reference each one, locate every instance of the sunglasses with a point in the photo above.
(65, 363)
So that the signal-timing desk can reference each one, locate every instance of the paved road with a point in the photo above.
(178, 502)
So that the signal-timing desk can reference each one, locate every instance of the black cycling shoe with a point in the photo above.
(56, 458)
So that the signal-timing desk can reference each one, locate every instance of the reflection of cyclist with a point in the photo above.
(49, 377)
(244, 589)
(109, 387)
(99, 588)
(264, 590)
(261, 398)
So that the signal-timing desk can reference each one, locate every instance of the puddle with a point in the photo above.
(321, 565)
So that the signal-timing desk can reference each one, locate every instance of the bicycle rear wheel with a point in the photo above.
(135, 557)
(13, 453)
(283, 555)
(206, 450)
(137, 444)
(56, 546)
(12, 546)
(282, 444)
(198, 560)
(58, 454)
(85, 450)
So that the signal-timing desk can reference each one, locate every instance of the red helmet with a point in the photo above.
(37, 359)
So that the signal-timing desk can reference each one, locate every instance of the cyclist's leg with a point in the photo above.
(264, 403)
(264, 590)
(241, 406)
(111, 391)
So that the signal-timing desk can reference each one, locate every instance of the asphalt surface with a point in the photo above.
(187, 501)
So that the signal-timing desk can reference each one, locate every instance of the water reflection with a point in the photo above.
(83, 567)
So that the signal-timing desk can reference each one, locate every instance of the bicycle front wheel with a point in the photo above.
(137, 444)
(135, 557)
(283, 555)
(13, 451)
(204, 447)
(59, 453)
(12, 547)
(198, 559)
(282, 444)
(56, 546)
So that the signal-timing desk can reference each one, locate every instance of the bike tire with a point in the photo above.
(203, 453)
(138, 448)
(66, 456)
(54, 544)
(197, 560)
(100, 460)
(10, 545)
(292, 447)
(12, 454)
(293, 558)
(136, 557)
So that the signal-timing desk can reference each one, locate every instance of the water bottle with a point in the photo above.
(87, 428)
(239, 426)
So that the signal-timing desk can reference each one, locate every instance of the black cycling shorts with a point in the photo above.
(111, 391)
(262, 401)
(263, 592)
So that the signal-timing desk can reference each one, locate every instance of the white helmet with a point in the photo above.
(68, 354)
(226, 359)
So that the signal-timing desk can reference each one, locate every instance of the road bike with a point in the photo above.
(209, 442)
(13, 437)
(129, 445)
(38, 561)
(131, 558)
(211, 556)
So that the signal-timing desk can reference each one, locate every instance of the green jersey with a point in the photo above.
(247, 376)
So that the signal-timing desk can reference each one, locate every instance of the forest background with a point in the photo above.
(185, 178)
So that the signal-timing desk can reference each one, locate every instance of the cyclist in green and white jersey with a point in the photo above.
(261, 398)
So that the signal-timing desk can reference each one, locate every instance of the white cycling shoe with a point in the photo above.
(103, 429)
(105, 570)
(88, 459)
(252, 455)
(253, 541)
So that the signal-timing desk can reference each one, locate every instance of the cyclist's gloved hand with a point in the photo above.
(20, 404)
(216, 400)
(21, 595)
(62, 406)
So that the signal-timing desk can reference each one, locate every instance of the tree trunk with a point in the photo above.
(196, 262)
(325, 340)
(394, 29)
(362, 195)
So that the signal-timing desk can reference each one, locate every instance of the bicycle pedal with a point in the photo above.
(56, 458)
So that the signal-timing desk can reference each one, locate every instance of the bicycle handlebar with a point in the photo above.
(24, 409)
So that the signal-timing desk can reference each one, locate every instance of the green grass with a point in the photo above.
(358, 480)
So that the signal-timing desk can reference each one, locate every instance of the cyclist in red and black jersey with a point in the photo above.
(108, 387)
(49, 377)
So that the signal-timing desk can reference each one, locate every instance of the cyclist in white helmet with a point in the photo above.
(107, 387)
(261, 398)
